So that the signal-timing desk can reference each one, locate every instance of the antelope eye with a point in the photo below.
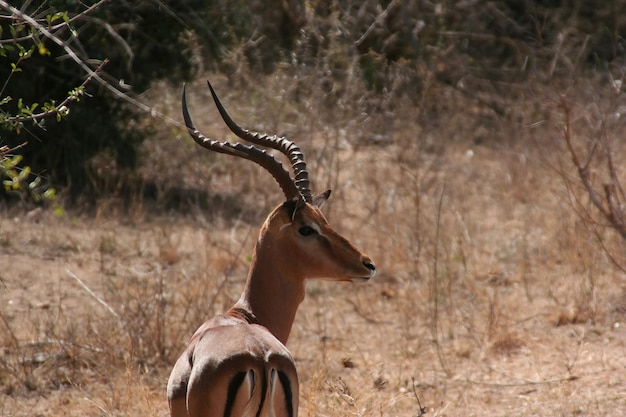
(306, 231)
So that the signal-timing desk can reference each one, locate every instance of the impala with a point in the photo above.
(237, 364)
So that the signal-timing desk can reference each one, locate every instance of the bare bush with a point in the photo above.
(590, 134)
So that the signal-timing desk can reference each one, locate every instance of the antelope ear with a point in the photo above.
(320, 199)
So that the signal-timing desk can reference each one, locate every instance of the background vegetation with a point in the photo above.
(493, 53)
(475, 147)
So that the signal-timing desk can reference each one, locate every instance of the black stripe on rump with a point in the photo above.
(286, 383)
(233, 388)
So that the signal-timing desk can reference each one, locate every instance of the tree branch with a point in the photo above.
(59, 108)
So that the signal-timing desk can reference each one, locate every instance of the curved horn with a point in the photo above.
(282, 144)
(259, 156)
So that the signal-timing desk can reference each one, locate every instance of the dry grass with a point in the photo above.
(493, 297)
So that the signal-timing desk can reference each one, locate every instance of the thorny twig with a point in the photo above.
(6, 150)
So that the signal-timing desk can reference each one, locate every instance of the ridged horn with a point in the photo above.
(250, 152)
(281, 144)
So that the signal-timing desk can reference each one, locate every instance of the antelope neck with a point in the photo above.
(271, 298)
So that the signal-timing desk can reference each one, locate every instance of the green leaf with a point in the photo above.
(7, 185)
(34, 183)
(57, 16)
(43, 50)
(23, 174)
(50, 194)
(16, 160)
(11, 184)
(58, 210)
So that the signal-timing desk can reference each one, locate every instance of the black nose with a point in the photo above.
(369, 265)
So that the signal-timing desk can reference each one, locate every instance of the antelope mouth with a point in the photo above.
(365, 278)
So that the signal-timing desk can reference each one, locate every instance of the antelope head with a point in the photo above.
(296, 236)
